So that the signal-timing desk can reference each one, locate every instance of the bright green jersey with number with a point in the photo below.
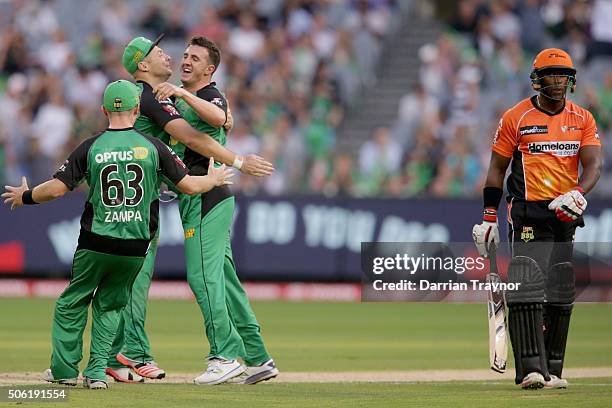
(124, 169)
(123, 182)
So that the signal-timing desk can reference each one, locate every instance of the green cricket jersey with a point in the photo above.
(154, 115)
(197, 163)
(124, 169)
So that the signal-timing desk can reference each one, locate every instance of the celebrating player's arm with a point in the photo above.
(217, 176)
(215, 116)
(207, 111)
(47, 191)
(229, 123)
(56, 188)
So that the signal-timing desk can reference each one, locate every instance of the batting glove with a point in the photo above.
(487, 233)
(569, 206)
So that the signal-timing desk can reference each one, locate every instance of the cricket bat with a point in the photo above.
(496, 305)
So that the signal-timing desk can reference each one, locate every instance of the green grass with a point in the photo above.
(327, 337)
(584, 392)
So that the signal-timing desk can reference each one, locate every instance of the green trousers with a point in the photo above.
(231, 327)
(132, 341)
(230, 324)
(104, 281)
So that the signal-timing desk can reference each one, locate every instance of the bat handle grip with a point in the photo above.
(492, 251)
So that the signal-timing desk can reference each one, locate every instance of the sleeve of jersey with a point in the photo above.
(590, 135)
(504, 141)
(214, 96)
(161, 112)
(171, 166)
(74, 169)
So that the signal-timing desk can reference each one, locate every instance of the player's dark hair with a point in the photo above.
(213, 51)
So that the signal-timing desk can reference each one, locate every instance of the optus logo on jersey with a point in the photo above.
(138, 153)
(555, 148)
(114, 156)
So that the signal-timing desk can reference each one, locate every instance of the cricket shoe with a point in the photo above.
(219, 371)
(255, 374)
(48, 376)
(124, 374)
(555, 382)
(94, 384)
(533, 381)
(148, 369)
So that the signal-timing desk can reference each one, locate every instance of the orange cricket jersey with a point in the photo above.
(545, 148)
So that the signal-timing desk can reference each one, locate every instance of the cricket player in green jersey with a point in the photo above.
(150, 66)
(231, 326)
(123, 169)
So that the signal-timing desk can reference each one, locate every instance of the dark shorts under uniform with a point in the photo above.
(534, 231)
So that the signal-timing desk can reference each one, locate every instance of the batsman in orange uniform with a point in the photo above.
(544, 138)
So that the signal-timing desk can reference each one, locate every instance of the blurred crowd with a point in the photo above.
(291, 71)
(477, 68)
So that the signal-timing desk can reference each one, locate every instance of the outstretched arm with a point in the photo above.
(200, 184)
(205, 145)
(47, 191)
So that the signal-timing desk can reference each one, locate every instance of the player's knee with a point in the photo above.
(561, 283)
(525, 272)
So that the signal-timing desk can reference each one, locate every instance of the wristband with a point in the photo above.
(238, 162)
(489, 215)
(580, 189)
(492, 196)
(27, 199)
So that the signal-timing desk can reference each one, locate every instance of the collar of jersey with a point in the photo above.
(119, 130)
(535, 105)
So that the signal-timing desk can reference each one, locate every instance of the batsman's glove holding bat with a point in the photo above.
(486, 234)
(569, 206)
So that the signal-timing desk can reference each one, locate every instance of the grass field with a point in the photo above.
(326, 337)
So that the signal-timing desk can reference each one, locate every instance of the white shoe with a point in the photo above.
(48, 376)
(533, 381)
(124, 374)
(555, 382)
(219, 371)
(255, 374)
(94, 384)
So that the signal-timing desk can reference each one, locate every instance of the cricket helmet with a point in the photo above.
(553, 61)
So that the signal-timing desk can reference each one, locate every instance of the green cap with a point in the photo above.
(136, 51)
(120, 96)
